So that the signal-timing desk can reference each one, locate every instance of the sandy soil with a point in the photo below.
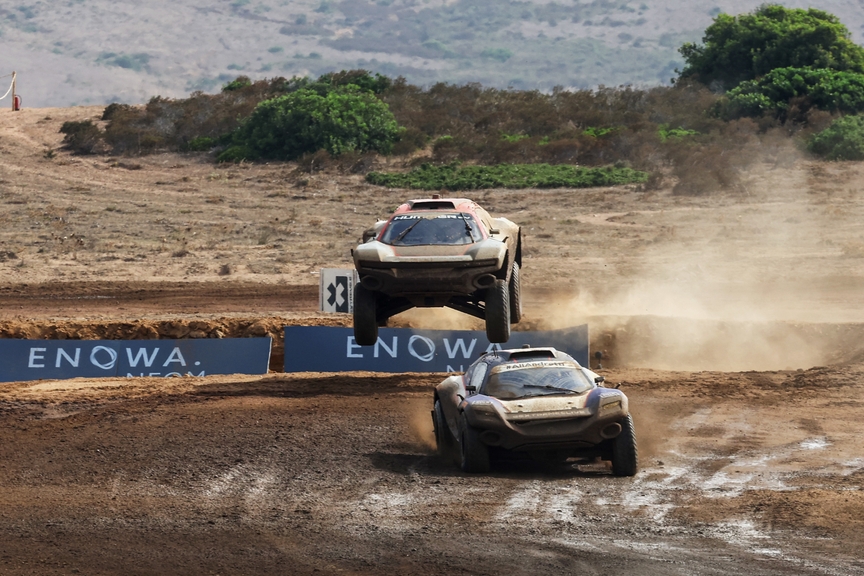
(733, 322)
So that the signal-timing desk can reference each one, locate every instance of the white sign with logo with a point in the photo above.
(336, 291)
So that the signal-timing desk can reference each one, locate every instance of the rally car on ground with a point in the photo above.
(532, 402)
(439, 252)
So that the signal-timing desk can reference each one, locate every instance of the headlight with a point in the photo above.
(483, 405)
(615, 405)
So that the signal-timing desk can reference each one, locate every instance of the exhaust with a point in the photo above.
(611, 430)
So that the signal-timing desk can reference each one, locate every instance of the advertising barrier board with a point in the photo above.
(22, 360)
(327, 349)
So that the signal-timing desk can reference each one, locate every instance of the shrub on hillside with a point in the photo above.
(456, 177)
(778, 90)
(589, 127)
(132, 131)
(171, 124)
(186, 123)
(375, 83)
(343, 120)
(745, 47)
(237, 84)
(842, 140)
(81, 137)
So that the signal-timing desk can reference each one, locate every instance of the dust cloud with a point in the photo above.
(420, 423)
(437, 319)
(760, 281)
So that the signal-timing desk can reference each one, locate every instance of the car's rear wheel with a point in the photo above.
(625, 456)
(365, 316)
(443, 437)
(498, 312)
(515, 296)
(475, 454)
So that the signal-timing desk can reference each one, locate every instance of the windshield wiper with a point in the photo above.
(467, 226)
(406, 231)
(568, 390)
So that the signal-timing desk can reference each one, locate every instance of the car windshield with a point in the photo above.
(536, 379)
(425, 229)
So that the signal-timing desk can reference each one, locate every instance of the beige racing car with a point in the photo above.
(532, 402)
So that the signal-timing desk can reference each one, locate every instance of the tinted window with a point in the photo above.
(478, 375)
(536, 381)
(427, 229)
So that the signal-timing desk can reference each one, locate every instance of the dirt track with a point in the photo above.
(751, 460)
(334, 474)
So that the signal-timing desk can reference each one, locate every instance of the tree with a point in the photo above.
(739, 48)
(342, 120)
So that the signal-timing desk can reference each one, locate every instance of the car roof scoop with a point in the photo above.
(432, 205)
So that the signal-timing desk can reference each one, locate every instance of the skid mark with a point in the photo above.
(815, 443)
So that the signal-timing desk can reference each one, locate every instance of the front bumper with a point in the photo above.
(422, 277)
(546, 431)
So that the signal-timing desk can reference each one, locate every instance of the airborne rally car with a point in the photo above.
(439, 252)
(536, 402)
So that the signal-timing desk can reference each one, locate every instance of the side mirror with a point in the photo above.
(470, 388)
(494, 231)
(599, 379)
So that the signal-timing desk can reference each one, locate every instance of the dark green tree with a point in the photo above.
(342, 120)
(745, 47)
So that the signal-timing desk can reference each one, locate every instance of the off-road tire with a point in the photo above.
(443, 437)
(625, 456)
(475, 454)
(515, 296)
(365, 316)
(498, 312)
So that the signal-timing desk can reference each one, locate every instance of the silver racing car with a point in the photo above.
(536, 402)
(437, 252)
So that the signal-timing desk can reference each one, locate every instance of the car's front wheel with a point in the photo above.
(443, 437)
(365, 316)
(515, 295)
(625, 456)
(498, 312)
(475, 454)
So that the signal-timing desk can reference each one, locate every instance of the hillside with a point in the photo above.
(96, 51)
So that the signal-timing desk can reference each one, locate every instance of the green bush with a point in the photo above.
(200, 144)
(376, 83)
(81, 137)
(455, 177)
(237, 84)
(826, 89)
(667, 133)
(842, 140)
(598, 132)
(739, 48)
(345, 119)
